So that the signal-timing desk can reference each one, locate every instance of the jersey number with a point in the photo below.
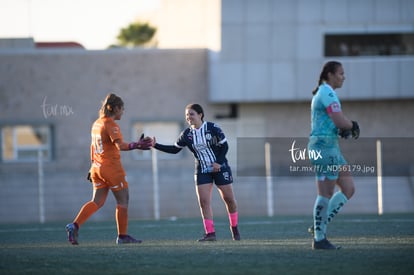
(97, 144)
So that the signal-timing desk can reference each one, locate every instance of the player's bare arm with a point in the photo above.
(340, 120)
(347, 127)
(121, 145)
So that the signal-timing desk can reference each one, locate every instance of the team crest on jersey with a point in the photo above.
(115, 130)
(208, 136)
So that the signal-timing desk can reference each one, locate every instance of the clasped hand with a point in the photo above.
(144, 143)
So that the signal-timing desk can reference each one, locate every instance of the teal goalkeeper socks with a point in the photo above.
(336, 203)
(320, 217)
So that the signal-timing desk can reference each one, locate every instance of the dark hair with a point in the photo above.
(197, 108)
(329, 67)
(108, 105)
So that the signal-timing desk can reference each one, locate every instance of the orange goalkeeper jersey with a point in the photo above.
(104, 153)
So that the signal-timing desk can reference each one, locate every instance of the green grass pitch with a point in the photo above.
(371, 244)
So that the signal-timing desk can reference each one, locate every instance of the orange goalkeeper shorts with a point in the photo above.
(105, 177)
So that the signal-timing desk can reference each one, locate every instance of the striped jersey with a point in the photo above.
(206, 143)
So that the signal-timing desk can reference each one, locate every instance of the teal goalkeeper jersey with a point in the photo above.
(324, 102)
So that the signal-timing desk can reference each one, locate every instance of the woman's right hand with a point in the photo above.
(153, 142)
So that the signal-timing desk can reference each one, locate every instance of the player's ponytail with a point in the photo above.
(329, 67)
(109, 104)
(314, 91)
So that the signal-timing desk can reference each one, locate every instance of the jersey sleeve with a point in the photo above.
(171, 149)
(181, 140)
(331, 102)
(114, 131)
(221, 153)
(222, 145)
(218, 132)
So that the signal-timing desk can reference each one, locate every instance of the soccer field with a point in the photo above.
(280, 245)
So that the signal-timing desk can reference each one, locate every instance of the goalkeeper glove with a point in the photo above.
(345, 133)
(353, 132)
(142, 144)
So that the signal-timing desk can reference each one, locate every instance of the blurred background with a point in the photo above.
(251, 64)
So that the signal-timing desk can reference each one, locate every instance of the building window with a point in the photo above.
(23, 143)
(165, 132)
(384, 44)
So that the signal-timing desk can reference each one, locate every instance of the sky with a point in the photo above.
(92, 23)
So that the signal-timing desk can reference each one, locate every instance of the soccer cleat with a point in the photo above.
(72, 233)
(311, 230)
(209, 237)
(235, 233)
(324, 244)
(127, 239)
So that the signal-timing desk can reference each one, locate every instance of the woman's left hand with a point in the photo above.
(216, 167)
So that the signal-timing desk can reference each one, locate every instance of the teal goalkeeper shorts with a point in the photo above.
(326, 157)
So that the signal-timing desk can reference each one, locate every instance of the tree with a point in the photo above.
(136, 34)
